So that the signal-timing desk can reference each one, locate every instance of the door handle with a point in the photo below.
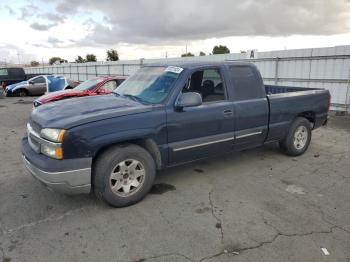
(227, 112)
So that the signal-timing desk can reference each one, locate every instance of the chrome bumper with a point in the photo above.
(68, 182)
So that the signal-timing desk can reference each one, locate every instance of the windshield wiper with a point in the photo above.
(135, 98)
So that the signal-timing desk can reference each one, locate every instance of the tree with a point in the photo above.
(91, 58)
(187, 54)
(112, 55)
(202, 53)
(79, 59)
(221, 49)
(34, 63)
(56, 59)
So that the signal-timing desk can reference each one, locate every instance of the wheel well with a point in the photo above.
(21, 89)
(147, 144)
(309, 115)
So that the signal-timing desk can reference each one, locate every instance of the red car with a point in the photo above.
(91, 87)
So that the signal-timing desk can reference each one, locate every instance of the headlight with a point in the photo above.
(54, 135)
(52, 151)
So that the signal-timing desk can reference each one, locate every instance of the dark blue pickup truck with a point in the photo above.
(165, 115)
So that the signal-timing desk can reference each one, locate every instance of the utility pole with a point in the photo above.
(19, 62)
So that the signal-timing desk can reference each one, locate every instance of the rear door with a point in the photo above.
(197, 132)
(250, 106)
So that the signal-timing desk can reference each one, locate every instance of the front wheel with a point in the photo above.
(21, 93)
(123, 175)
(298, 138)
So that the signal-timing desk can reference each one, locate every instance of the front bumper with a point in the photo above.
(71, 176)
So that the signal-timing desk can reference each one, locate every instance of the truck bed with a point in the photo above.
(286, 102)
(274, 89)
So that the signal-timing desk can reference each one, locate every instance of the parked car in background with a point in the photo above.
(162, 116)
(91, 87)
(39, 85)
(13, 75)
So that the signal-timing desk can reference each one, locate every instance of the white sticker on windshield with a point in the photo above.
(174, 69)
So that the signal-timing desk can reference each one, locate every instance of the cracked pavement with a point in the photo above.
(257, 205)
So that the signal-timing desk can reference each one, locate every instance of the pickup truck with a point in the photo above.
(13, 75)
(165, 115)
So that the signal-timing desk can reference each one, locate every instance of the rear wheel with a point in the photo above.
(298, 138)
(123, 175)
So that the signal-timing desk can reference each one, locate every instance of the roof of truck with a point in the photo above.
(190, 65)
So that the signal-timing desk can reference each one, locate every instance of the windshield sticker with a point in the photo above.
(174, 69)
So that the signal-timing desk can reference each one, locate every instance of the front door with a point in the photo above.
(38, 86)
(197, 132)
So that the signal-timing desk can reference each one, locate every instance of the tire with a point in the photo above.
(298, 138)
(121, 168)
(21, 93)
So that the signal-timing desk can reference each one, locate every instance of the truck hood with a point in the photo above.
(58, 95)
(77, 111)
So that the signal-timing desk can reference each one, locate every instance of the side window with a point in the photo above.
(246, 85)
(119, 81)
(39, 80)
(208, 83)
(109, 86)
(3, 72)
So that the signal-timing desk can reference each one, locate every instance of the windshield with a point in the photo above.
(150, 84)
(88, 84)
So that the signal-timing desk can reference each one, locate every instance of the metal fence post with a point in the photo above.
(78, 73)
(123, 69)
(108, 69)
(96, 70)
(276, 70)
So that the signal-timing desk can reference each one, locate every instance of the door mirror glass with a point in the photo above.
(189, 99)
(102, 91)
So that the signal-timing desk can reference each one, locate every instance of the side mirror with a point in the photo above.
(31, 82)
(102, 91)
(189, 99)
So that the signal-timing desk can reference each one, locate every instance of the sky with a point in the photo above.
(37, 30)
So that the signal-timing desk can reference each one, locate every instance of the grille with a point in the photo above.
(36, 127)
(33, 144)
(33, 138)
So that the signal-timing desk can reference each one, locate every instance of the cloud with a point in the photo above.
(28, 11)
(12, 54)
(54, 41)
(42, 27)
(155, 21)
(54, 17)
(11, 11)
